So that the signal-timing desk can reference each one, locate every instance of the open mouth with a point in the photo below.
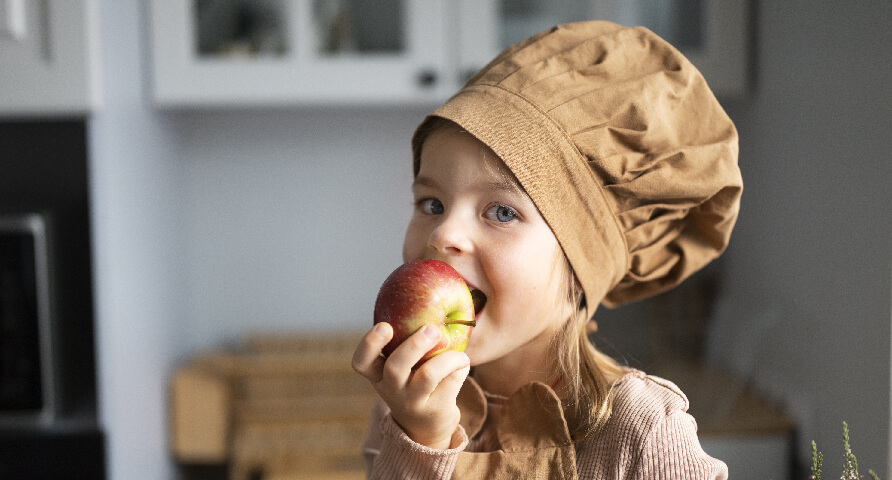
(479, 299)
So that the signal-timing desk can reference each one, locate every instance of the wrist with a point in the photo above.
(438, 442)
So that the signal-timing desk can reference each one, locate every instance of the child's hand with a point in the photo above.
(422, 401)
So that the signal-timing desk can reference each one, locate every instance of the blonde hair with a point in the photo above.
(587, 373)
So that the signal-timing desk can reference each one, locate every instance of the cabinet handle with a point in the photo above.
(427, 78)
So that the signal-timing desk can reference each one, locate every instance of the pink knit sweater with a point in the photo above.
(649, 436)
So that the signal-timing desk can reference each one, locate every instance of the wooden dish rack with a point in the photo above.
(277, 408)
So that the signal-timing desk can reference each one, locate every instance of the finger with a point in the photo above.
(450, 367)
(450, 386)
(398, 367)
(367, 359)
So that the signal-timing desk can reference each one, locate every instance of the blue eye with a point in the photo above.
(431, 206)
(501, 213)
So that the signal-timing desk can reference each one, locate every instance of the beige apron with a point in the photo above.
(535, 441)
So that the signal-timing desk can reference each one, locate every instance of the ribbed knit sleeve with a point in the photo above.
(649, 436)
(673, 451)
(390, 454)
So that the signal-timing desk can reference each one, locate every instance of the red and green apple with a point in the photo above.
(426, 292)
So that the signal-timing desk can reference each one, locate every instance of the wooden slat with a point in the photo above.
(200, 411)
(350, 406)
(287, 385)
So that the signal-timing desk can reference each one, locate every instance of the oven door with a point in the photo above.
(27, 380)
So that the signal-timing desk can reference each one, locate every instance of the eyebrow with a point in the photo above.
(423, 182)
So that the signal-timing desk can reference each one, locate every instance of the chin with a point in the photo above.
(473, 352)
(479, 354)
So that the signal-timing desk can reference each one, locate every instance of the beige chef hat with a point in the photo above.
(620, 144)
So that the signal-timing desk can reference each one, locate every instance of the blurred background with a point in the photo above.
(176, 176)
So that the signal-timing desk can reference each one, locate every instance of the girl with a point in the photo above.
(589, 164)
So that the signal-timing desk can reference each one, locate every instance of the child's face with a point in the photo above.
(470, 213)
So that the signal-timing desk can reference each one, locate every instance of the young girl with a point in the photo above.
(587, 165)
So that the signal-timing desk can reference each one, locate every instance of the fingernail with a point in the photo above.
(432, 333)
(381, 330)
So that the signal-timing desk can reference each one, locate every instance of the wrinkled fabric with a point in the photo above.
(526, 449)
(621, 145)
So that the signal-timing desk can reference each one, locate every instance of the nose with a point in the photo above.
(451, 236)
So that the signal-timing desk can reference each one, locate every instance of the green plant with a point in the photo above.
(850, 467)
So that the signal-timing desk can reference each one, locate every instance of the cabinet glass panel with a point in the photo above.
(359, 26)
(680, 22)
(247, 28)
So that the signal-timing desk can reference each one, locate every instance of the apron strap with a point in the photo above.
(472, 403)
(532, 431)
(533, 418)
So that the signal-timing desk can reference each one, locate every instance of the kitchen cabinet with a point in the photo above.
(279, 52)
(329, 52)
(49, 53)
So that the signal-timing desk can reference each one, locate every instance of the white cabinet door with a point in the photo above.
(298, 52)
(48, 57)
(711, 33)
(329, 52)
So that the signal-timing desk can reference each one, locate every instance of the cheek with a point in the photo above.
(532, 281)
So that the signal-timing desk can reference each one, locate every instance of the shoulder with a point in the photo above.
(639, 400)
(649, 419)
(641, 403)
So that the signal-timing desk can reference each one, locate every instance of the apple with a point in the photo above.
(426, 292)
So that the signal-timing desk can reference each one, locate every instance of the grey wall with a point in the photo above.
(807, 307)
(294, 218)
